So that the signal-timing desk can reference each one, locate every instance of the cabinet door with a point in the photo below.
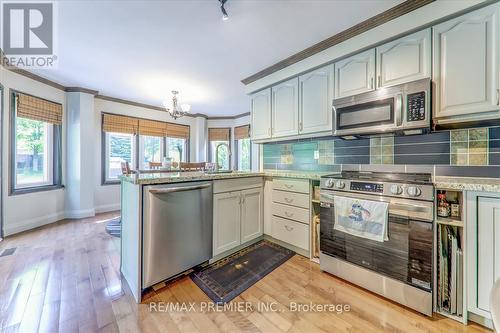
(315, 100)
(466, 62)
(355, 75)
(488, 248)
(252, 213)
(404, 60)
(285, 106)
(227, 218)
(261, 115)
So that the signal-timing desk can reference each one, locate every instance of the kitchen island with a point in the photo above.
(167, 221)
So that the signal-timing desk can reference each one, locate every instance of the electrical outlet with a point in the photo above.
(316, 154)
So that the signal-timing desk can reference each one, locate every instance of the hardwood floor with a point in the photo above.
(65, 278)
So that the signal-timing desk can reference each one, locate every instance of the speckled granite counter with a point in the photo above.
(468, 184)
(177, 177)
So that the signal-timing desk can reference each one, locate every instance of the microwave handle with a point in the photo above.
(399, 109)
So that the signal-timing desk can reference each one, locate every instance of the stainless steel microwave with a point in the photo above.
(404, 108)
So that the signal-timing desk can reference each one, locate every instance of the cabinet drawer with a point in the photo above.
(291, 232)
(291, 212)
(291, 198)
(292, 185)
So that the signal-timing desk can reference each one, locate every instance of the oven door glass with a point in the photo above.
(406, 256)
(376, 113)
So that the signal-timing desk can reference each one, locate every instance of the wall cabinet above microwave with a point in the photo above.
(298, 106)
(466, 67)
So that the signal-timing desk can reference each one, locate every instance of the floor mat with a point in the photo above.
(114, 227)
(227, 278)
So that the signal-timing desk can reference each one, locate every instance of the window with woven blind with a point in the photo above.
(36, 144)
(177, 131)
(219, 134)
(35, 108)
(242, 132)
(152, 127)
(120, 124)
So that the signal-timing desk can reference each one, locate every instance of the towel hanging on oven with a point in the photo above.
(363, 218)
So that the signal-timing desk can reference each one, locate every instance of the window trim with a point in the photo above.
(56, 154)
(237, 158)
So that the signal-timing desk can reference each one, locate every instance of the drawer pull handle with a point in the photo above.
(288, 228)
(288, 200)
(288, 186)
(288, 214)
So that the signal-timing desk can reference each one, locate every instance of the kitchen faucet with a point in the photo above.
(217, 155)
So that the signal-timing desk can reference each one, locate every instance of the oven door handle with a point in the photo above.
(399, 110)
(408, 207)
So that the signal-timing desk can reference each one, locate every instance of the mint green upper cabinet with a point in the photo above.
(466, 58)
(355, 74)
(261, 115)
(404, 60)
(315, 100)
(285, 106)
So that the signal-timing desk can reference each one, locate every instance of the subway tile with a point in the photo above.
(383, 168)
(494, 133)
(494, 158)
(424, 138)
(423, 148)
(468, 171)
(422, 159)
(352, 143)
(365, 159)
(352, 151)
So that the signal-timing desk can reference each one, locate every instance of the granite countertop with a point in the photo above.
(467, 183)
(177, 177)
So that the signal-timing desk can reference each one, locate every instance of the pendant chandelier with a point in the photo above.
(177, 110)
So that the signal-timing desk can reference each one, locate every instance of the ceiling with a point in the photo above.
(141, 50)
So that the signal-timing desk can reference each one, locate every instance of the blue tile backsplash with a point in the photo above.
(469, 147)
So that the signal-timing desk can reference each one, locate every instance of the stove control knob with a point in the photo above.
(339, 184)
(413, 191)
(396, 189)
(329, 182)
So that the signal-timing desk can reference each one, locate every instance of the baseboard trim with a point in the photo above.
(107, 208)
(33, 223)
(486, 322)
(79, 214)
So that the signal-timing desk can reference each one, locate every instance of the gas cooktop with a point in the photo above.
(392, 177)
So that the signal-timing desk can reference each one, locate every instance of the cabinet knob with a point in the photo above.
(288, 214)
(288, 228)
(288, 200)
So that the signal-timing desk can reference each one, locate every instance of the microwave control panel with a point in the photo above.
(416, 106)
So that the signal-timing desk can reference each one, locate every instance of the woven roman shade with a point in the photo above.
(39, 109)
(219, 134)
(120, 124)
(152, 127)
(177, 131)
(242, 132)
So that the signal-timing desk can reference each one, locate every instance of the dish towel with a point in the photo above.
(362, 218)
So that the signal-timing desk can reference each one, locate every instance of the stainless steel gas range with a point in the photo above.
(399, 268)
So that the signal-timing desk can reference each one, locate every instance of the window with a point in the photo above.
(219, 150)
(243, 147)
(151, 150)
(36, 144)
(177, 149)
(120, 147)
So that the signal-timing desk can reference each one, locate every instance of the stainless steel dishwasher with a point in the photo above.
(177, 229)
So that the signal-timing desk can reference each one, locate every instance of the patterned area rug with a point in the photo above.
(114, 227)
(227, 278)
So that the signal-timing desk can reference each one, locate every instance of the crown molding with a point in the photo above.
(81, 90)
(375, 21)
(230, 117)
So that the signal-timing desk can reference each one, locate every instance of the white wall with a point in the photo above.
(26, 211)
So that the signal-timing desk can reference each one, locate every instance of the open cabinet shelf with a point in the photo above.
(450, 257)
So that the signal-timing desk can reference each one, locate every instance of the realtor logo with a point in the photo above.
(28, 34)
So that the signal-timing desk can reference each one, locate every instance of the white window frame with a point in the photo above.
(239, 150)
(184, 151)
(142, 151)
(107, 178)
(48, 161)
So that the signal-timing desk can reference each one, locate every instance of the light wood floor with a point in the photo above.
(65, 278)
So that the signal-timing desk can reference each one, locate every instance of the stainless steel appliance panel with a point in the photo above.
(177, 229)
